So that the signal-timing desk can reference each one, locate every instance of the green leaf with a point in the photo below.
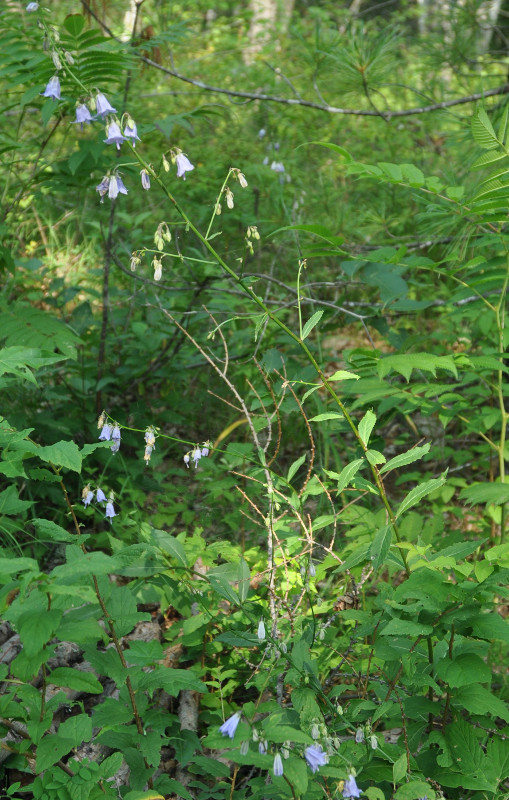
(276, 731)
(491, 626)
(62, 454)
(295, 466)
(343, 375)
(122, 609)
(327, 415)
(478, 700)
(399, 768)
(168, 544)
(50, 750)
(51, 532)
(482, 130)
(75, 679)
(403, 459)
(492, 493)
(20, 360)
(78, 729)
(414, 790)
(336, 148)
(10, 503)
(171, 680)
(464, 670)
(348, 473)
(418, 493)
(375, 457)
(405, 363)
(380, 546)
(405, 627)
(310, 324)
(74, 24)
(35, 629)
(366, 425)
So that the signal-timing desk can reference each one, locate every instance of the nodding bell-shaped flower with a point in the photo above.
(261, 133)
(105, 434)
(148, 452)
(110, 511)
(32, 7)
(145, 178)
(130, 131)
(115, 438)
(103, 106)
(315, 757)
(261, 631)
(350, 789)
(87, 496)
(196, 456)
(158, 268)
(187, 459)
(229, 727)
(114, 135)
(52, 89)
(103, 188)
(116, 187)
(278, 766)
(100, 496)
(240, 177)
(244, 748)
(183, 165)
(277, 166)
(101, 419)
(359, 735)
(262, 746)
(229, 198)
(82, 115)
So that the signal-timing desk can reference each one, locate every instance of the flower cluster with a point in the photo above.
(314, 755)
(87, 495)
(197, 453)
(109, 432)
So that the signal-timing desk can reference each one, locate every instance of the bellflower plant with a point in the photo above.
(114, 135)
(187, 458)
(105, 434)
(110, 511)
(229, 727)
(145, 178)
(103, 187)
(183, 165)
(115, 438)
(116, 187)
(350, 789)
(32, 7)
(130, 131)
(87, 496)
(82, 115)
(315, 757)
(52, 89)
(103, 106)
(278, 765)
(100, 496)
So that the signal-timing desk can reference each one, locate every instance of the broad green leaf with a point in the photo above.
(77, 728)
(414, 790)
(168, 544)
(418, 493)
(50, 750)
(491, 626)
(62, 454)
(310, 324)
(75, 679)
(399, 768)
(11, 566)
(375, 457)
(51, 532)
(406, 363)
(35, 629)
(343, 375)
(366, 425)
(21, 360)
(406, 458)
(122, 609)
(171, 680)
(492, 493)
(10, 503)
(478, 700)
(74, 24)
(405, 627)
(327, 415)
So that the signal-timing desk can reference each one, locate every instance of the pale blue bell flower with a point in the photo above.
(145, 178)
(130, 132)
(183, 165)
(52, 89)
(229, 727)
(88, 498)
(103, 187)
(116, 187)
(315, 757)
(32, 7)
(100, 496)
(82, 115)
(110, 511)
(350, 789)
(105, 434)
(115, 438)
(114, 135)
(278, 765)
(103, 106)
